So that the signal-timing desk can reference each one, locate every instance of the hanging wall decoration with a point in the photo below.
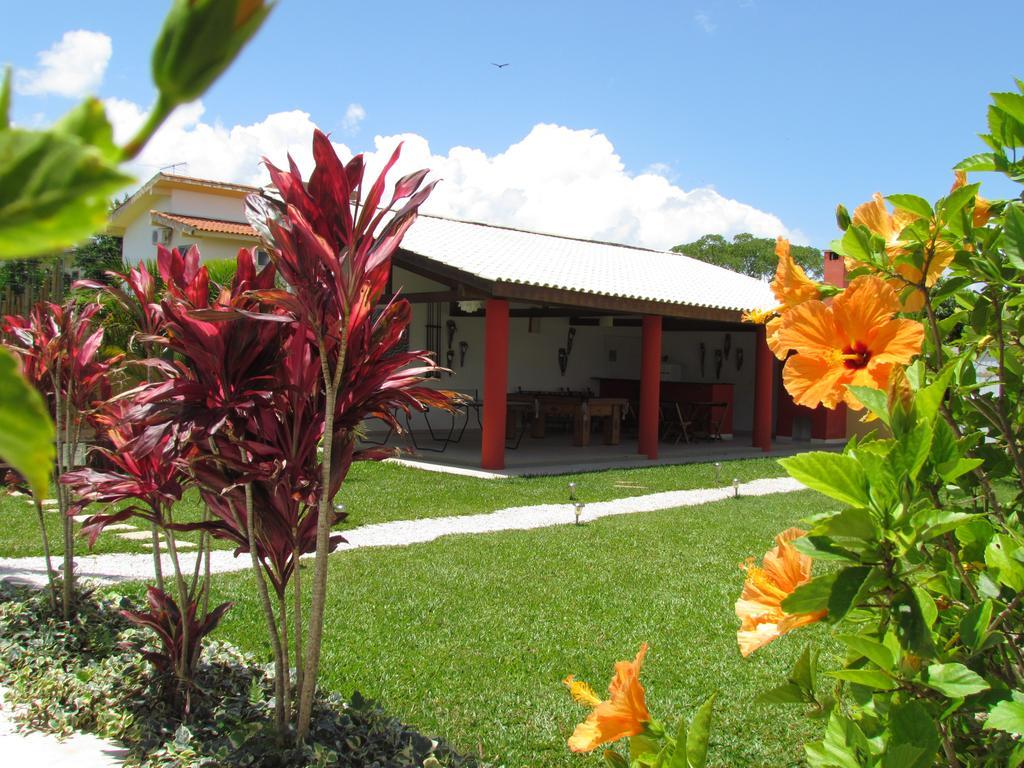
(739, 358)
(451, 332)
(718, 364)
(463, 349)
(450, 357)
(563, 359)
(568, 341)
(727, 345)
(701, 350)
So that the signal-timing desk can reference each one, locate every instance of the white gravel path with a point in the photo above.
(111, 569)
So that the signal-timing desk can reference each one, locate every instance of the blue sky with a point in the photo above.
(755, 113)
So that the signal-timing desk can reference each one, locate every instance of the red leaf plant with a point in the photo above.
(180, 636)
(58, 346)
(332, 241)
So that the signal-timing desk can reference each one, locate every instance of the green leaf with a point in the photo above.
(955, 680)
(851, 523)
(916, 205)
(928, 399)
(874, 400)
(856, 243)
(88, 121)
(951, 470)
(869, 678)
(1011, 103)
(812, 596)
(911, 627)
(1006, 716)
(870, 649)
(845, 590)
(984, 161)
(1013, 236)
(833, 474)
(930, 523)
(913, 448)
(913, 738)
(974, 625)
(54, 191)
(700, 732)
(834, 592)
(787, 693)
(26, 432)
(1002, 555)
(679, 755)
(958, 198)
(614, 760)
(842, 746)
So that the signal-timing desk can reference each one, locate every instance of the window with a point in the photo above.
(262, 258)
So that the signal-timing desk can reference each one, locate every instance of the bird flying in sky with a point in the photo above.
(500, 66)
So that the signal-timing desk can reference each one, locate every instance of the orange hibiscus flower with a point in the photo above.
(856, 340)
(791, 287)
(760, 605)
(623, 714)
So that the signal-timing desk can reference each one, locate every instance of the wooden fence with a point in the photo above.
(51, 284)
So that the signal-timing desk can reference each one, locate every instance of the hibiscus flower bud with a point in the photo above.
(200, 38)
(842, 217)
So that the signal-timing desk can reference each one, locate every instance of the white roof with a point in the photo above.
(502, 254)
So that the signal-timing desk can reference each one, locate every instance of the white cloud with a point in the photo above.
(72, 67)
(703, 20)
(556, 179)
(354, 115)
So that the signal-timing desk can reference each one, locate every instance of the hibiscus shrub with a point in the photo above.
(926, 546)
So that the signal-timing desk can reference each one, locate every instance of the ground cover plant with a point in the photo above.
(84, 675)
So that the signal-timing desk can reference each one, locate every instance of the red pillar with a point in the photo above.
(763, 393)
(650, 387)
(492, 448)
(830, 425)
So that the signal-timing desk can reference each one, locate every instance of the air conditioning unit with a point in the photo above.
(161, 236)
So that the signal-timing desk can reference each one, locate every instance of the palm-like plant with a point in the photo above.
(59, 348)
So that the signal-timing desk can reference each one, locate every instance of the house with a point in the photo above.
(539, 327)
(181, 211)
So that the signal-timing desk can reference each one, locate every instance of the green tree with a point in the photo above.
(749, 255)
(96, 256)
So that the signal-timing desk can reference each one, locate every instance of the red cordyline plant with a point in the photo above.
(58, 346)
(180, 635)
(332, 242)
(138, 293)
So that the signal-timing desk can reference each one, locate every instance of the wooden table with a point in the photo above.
(581, 409)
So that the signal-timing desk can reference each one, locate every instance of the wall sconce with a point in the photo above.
(471, 307)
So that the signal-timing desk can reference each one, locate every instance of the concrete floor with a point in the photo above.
(555, 454)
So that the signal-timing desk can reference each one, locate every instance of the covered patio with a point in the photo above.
(576, 352)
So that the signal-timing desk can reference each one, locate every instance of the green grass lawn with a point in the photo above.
(468, 637)
(377, 492)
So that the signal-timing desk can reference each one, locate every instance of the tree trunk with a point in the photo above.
(318, 602)
(300, 662)
(268, 613)
(46, 554)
